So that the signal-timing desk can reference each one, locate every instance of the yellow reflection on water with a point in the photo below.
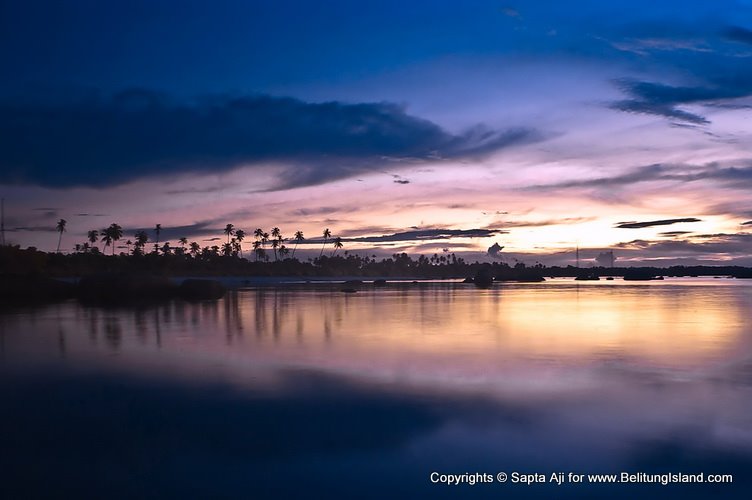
(661, 324)
(448, 329)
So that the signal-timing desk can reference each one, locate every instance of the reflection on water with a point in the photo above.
(544, 377)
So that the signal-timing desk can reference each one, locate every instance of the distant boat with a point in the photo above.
(640, 275)
(588, 276)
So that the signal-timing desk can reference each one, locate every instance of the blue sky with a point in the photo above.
(535, 125)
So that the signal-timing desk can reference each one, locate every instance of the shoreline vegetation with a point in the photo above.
(30, 275)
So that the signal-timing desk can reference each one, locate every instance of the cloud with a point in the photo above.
(652, 108)
(171, 233)
(543, 223)
(674, 233)
(605, 259)
(718, 73)
(712, 245)
(664, 222)
(424, 234)
(738, 34)
(729, 176)
(101, 141)
(494, 251)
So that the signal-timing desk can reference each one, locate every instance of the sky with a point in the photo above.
(421, 127)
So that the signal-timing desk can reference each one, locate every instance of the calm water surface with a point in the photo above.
(305, 391)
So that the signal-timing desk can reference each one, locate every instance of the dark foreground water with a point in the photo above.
(311, 393)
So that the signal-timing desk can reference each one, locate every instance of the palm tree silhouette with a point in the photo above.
(93, 236)
(115, 232)
(229, 231)
(157, 229)
(195, 249)
(257, 249)
(337, 245)
(327, 234)
(298, 238)
(141, 238)
(106, 238)
(60, 228)
(239, 235)
(275, 245)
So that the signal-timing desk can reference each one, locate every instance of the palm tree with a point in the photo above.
(275, 245)
(157, 229)
(239, 235)
(166, 248)
(327, 234)
(229, 231)
(337, 245)
(115, 233)
(195, 249)
(60, 228)
(128, 243)
(93, 236)
(276, 233)
(183, 242)
(141, 238)
(283, 251)
(298, 238)
(107, 238)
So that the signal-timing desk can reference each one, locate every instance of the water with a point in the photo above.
(304, 391)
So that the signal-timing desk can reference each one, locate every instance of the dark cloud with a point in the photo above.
(31, 229)
(733, 177)
(422, 235)
(651, 223)
(196, 190)
(544, 223)
(494, 251)
(748, 223)
(718, 74)
(99, 141)
(305, 212)
(738, 34)
(167, 233)
(674, 233)
(652, 108)
(401, 181)
(719, 244)
(606, 259)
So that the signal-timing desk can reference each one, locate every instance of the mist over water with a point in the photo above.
(274, 392)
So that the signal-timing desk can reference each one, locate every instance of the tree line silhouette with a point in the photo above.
(274, 255)
(110, 235)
